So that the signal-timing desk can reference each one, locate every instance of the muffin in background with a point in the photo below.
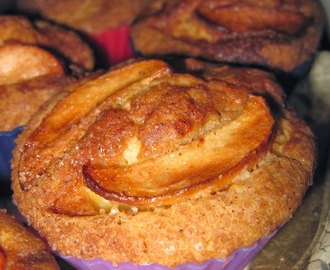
(271, 34)
(29, 76)
(66, 44)
(38, 59)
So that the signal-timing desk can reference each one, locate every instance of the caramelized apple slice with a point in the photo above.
(23, 62)
(242, 18)
(194, 165)
(63, 124)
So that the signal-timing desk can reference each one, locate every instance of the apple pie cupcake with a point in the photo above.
(146, 167)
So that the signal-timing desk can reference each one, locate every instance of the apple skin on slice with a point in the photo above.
(25, 62)
(243, 18)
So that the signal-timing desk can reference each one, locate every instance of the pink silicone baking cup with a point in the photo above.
(112, 46)
(236, 261)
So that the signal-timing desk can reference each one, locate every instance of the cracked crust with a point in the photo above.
(260, 194)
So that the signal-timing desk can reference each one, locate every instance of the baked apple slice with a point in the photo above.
(203, 162)
(63, 124)
(24, 62)
(242, 18)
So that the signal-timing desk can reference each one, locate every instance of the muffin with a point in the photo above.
(22, 249)
(277, 35)
(30, 50)
(152, 166)
(66, 44)
(29, 76)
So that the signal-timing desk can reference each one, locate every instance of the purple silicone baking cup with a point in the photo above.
(7, 145)
(236, 261)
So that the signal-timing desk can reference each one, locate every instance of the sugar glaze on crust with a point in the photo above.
(90, 172)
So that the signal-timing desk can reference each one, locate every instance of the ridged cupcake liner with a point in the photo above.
(7, 145)
(236, 261)
(112, 46)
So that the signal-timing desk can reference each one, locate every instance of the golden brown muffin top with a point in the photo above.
(186, 167)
